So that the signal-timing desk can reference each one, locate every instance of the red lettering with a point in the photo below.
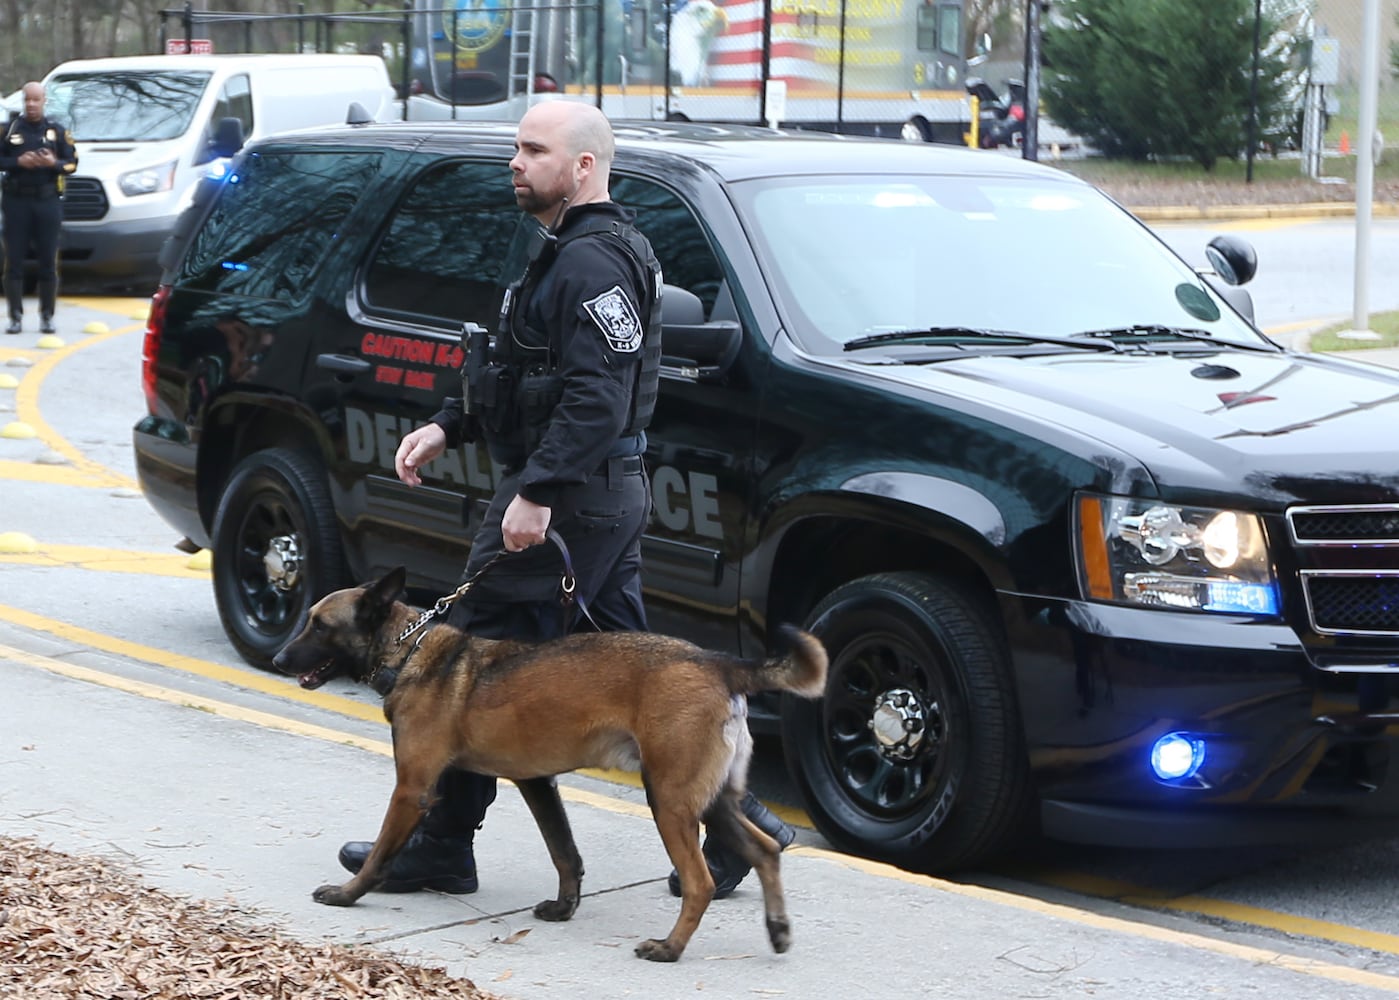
(419, 380)
(388, 374)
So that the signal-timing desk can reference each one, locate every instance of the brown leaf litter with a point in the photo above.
(84, 928)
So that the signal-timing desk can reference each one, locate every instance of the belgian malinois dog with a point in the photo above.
(529, 711)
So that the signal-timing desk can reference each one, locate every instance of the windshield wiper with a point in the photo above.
(913, 336)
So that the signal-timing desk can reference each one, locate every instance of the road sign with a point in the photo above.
(197, 46)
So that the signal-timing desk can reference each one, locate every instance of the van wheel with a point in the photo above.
(276, 551)
(915, 754)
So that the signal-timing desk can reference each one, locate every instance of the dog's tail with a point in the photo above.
(799, 667)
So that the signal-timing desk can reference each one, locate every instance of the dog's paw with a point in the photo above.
(333, 895)
(780, 933)
(657, 951)
(556, 910)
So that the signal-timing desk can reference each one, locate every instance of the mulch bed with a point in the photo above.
(85, 928)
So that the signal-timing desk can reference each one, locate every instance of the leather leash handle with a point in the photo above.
(569, 585)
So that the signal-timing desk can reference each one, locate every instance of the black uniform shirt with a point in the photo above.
(23, 135)
(593, 302)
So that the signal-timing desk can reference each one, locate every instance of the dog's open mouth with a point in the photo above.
(313, 679)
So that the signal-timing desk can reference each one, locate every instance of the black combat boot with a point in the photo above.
(726, 866)
(14, 295)
(445, 864)
(48, 298)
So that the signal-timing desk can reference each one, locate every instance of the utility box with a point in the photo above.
(1326, 61)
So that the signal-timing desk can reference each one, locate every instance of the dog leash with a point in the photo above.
(568, 584)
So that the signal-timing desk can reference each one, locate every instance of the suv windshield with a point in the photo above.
(858, 256)
(126, 105)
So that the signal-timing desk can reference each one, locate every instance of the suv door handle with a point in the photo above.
(343, 364)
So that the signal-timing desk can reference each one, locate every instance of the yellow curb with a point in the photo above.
(8, 381)
(143, 313)
(201, 560)
(97, 326)
(18, 430)
(17, 541)
(49, 342)
(1220, 213)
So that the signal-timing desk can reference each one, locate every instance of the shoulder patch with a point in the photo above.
(615, 316)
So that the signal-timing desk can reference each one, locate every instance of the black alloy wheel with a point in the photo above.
(915, 754)
(277, 551)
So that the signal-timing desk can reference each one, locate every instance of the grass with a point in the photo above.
(1386, 324)
(1266, 168)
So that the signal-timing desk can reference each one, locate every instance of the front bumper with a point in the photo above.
(114, 249)
(1294, 752)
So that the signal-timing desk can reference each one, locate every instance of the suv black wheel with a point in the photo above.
(914, 755)
(276, 551)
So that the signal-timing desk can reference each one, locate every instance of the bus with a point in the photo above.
(865, 67)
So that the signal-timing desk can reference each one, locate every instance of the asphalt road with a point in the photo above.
(108, 637)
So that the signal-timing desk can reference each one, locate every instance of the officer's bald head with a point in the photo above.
(33, 100)
(579, 128)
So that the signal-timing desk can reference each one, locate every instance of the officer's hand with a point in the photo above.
(29, 159)
(525, 523)
(416, 450)
(45, 157)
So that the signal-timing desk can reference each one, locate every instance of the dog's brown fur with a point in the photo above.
(530, 711)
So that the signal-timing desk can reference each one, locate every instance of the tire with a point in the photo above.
(276, 552)
(914, 653)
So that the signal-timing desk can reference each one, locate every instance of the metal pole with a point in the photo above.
(840, 72)
(1365, 168)
(1030, 144)
(407, 42)
(766, 64)
(1253, 91)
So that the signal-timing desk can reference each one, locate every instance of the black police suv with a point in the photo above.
(1092, 557)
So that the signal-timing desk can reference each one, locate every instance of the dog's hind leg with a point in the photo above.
(679, 828)
(542, 797)
(725, 820)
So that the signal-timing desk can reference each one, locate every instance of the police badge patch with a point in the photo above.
(613, 313)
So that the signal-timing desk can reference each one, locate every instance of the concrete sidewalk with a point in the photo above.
(206, 799)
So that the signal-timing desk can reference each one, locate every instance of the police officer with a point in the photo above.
(561, 395)
(35, 158)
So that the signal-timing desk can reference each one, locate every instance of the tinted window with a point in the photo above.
(444, 252)
(126, 106)
(687, 260)
(274, 222)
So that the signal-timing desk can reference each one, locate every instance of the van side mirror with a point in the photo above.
(227, 139)
(358, 114)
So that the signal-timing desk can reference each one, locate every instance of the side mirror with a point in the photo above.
(1233, 259)
(690, 347)
(228, 138)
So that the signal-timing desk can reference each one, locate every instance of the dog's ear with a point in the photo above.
(373, 606)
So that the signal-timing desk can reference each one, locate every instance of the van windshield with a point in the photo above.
(126, 105)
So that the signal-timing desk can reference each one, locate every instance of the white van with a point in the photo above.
(145, 126)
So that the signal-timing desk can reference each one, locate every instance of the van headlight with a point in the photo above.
(148, 180)
(1163, 555)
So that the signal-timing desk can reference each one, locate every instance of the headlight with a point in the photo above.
(148, 180)
(1167, 556)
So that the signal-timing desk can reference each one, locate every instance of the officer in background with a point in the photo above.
(561, 395)
(36, 156)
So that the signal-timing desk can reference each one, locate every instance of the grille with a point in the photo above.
(83, 199)
(1356, 602)
(1376, 524)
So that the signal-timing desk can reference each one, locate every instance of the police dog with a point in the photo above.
(529, 711)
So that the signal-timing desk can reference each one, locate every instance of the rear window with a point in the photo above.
(275, 222)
